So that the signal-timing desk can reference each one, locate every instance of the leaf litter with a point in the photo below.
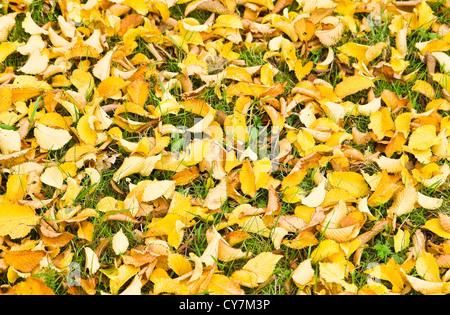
(216, 141)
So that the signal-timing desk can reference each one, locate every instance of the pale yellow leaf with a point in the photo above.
(9, 141)
(92, 262)
(179, 264)
(131, 165)
(304, 273)
(103, 67)
(31, 27)
(52, 176)
(333, 272)
(50, 138)
(371, 107)
(404, 201)
(316, 197)
(426, 287)
(7, 23)
(134, 288)
(430, 203)
(6, 49)
(443, 59)
(156, 189)
(120, 243)
(423, 138)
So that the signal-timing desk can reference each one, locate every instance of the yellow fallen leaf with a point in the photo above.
(445, 221)
(423, 138)
(119, 243)
(17, 221)
(425, 16)
(119, 276)
(92, 262)
(50, 138)
(86, 231)
(210, 254)
(111, 87)
(428, 202)
(316, 197)
(9, 141)
(302, 70)
(434, 225)
(352, 85)
(424, 88)
(131, 165)
(134, 288)
(325, 249)
(443, 59)
(7, 23)
(102, 68)
(169, 286)
(404, 201)
(427, 267)
(263, 265)
(443, 80)
(86, 129)
(216, 196)
(331, 37)
(355, 50)
(52, 176)
(6, 49)
(371, 107)
(391, 272)
(328, 60)
(277, 236)
(222, 285)
(333, 272)
(352, 182)
(179, 264)
(401, 240)
(267, 75)
(170, 226)
(342, 234)
(427, 287)
(304, 273)
(156, 189)
(402, 123)
(245, 278)
(31, 27)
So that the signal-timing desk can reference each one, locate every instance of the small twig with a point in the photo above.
(154, 52)
(262, 285)
(111, 107)
(165, 52)
(186, 244)
(117, 189)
